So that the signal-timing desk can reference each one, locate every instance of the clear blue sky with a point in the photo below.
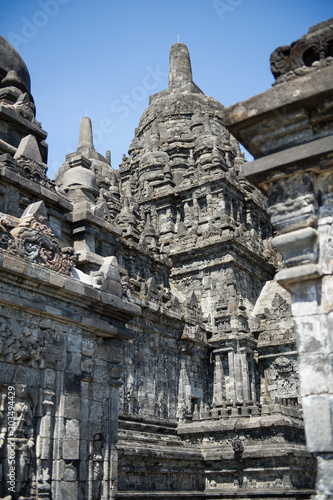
(108, 56)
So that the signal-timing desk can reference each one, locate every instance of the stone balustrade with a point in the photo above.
(289, 407)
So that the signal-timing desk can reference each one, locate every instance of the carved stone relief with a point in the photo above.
(283, 378)
(35, 241)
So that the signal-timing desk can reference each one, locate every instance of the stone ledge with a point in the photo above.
(165, 495)
(84, 257)
(49, 196)
(30, 128)
(238, 423)
(69, 289)
(314, 86)
(288, 277)
(233, 248)
(84, 213)
(269, 494)
(167, 451)
(251, 452)
(301, 157)
(100, 327)
(158, 308)
(146, 421)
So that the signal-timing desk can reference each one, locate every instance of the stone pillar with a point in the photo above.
(289, 130)
(184, 386)
(243, 388)
(218, 379)
(180, 71)
(110, 483)
(245, 374)
(231, 386)
(252, 381)
(44, 444)
(238, 385)
(66, 445)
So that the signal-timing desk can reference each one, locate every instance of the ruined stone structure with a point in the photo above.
(289, 130)
(146, 351)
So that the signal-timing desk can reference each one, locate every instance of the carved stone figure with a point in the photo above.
(238, 448)
(287, 380)
(97, 459)
(35, 241)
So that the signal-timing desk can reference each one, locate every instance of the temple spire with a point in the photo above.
(86, 137)
(180, 71)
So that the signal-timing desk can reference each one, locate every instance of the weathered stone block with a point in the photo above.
(310, 334)
(70, 449)
(72, 384)
(58, 470)
(305, 272)
(28, 148)
(327, 294)
(74, 340)
(318, 422)
(49, 378)
(73, 363)
(324, 476)
(315, 373)
(72, 428)
(66, 489)
(70, 473)
(71, 407)
(306, 298)
(298, 247)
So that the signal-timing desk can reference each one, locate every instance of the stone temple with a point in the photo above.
(146, 350)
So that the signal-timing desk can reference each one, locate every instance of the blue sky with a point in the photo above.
(106, 56)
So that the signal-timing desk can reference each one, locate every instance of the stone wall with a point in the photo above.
(141, 299)
(289, 131)
(63, 364)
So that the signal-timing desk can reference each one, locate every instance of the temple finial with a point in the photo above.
(180, 71)
(86, 137)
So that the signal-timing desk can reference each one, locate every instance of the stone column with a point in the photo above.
(218, 379)
(231, 386)
(110, 483)
(44, 441)
(289, 130)
(245, 374)
(184, 386)
(66, 447)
